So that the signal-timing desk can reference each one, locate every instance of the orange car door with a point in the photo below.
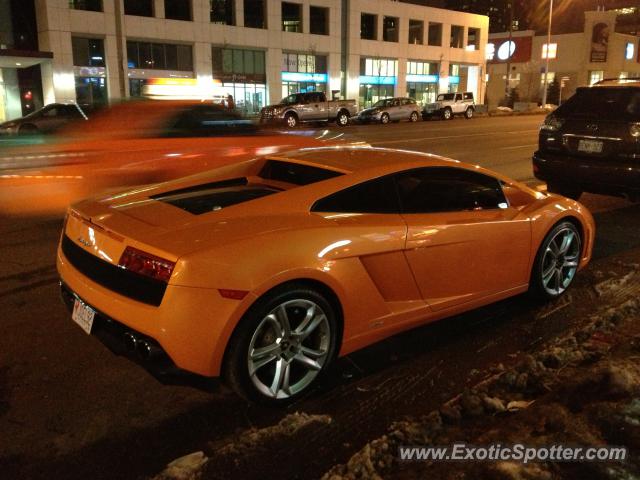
(464, 241)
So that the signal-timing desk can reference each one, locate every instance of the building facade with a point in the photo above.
(575, 59)
(258, 51)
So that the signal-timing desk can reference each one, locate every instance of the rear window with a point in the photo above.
(602, 102)
(210, 199)
(295, 173)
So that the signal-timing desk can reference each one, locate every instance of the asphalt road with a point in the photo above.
(70, 409)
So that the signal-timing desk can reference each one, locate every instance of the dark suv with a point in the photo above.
(592, 142)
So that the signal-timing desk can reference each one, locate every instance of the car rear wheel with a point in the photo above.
(343, 119)
(447, 114)
(468, 114)
(556, 262)
(413, 117)
(282, 346)
(564, 190)
(291, 120)
(384, 119)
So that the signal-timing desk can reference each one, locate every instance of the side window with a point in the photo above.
(208, 121)
(447, 189)
(51, 112)
(373, 196)
(458, 97)
(468, 96)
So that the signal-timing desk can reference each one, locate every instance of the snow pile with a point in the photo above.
(613, 284)
(516, 390)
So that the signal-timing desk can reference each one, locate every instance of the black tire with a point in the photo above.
(291, 120)
(342, 120)
(384, 119)
(238, 359)
(413, 117)
(544, 266)
(569, 191)
(468, 113)
(447, 114)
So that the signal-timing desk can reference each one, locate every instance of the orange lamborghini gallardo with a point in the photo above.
(264, 271)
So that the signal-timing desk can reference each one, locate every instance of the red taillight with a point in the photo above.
(146, 264)
(233, 294)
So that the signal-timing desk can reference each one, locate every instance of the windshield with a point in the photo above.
(385, 102)
(603, 102)
(446, 96)
(291, 99)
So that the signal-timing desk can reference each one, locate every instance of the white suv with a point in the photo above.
(449, 104)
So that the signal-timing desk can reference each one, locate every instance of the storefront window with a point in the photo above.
(370, 94)
(87, 52)
(423, 93)
(302, 72)
(242, 75)
(159, 56)
(377, 79)
(91, 90)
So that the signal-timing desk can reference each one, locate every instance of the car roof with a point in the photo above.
(618, 82)
(352, 159)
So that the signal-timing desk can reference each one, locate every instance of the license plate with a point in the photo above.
(83, 315)
(590, 146)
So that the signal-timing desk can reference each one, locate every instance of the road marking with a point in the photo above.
(446, 137)
(519, 146)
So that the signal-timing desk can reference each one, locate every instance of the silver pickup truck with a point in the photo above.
(308, 107)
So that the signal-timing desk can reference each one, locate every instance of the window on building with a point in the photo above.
(91, 5)
(416, 32)
(142, 8)
(473, 39)
(159, 56)
(595, 76)
(629, 51)
(222, 12)
(390, 27)
(255, 13)
(378, 67)
(368, 26)
(490, 53)
(435, 34)
(87, 52)
(551, 50)
(236, 61)
(457, 36)
(304, 63)
(421, 68)
(319, 20)
(291, 17)
(177, 9)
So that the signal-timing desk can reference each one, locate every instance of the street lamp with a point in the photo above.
(546, 66)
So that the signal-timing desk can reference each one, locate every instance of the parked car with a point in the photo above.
(264, 271)
(46, 120)
(591, 143)
(132, 143)
(448, 105)
(390, 110)
(308, 107)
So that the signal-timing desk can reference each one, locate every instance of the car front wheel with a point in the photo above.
(343, 119)
(556, 262)
(384, 119)
(447, 114)
(291, 120)
(282, 345)
(413, 117)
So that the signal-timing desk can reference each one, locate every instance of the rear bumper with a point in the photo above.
(191, 325)
(609, 176)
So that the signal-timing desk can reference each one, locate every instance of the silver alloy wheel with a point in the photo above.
(291, 121)
(413, 117)
(384, 118)
(343, 119)
(469, 113)
(560, 261)
(447, 114)
(289, 348)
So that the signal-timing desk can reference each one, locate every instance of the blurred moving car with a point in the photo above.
(448, 105)
(591, 143)
(46, 120)
(308, 107)
(264, 271)
(132, 143)
(390, 110)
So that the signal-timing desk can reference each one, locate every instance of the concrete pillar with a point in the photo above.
(158, 8)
